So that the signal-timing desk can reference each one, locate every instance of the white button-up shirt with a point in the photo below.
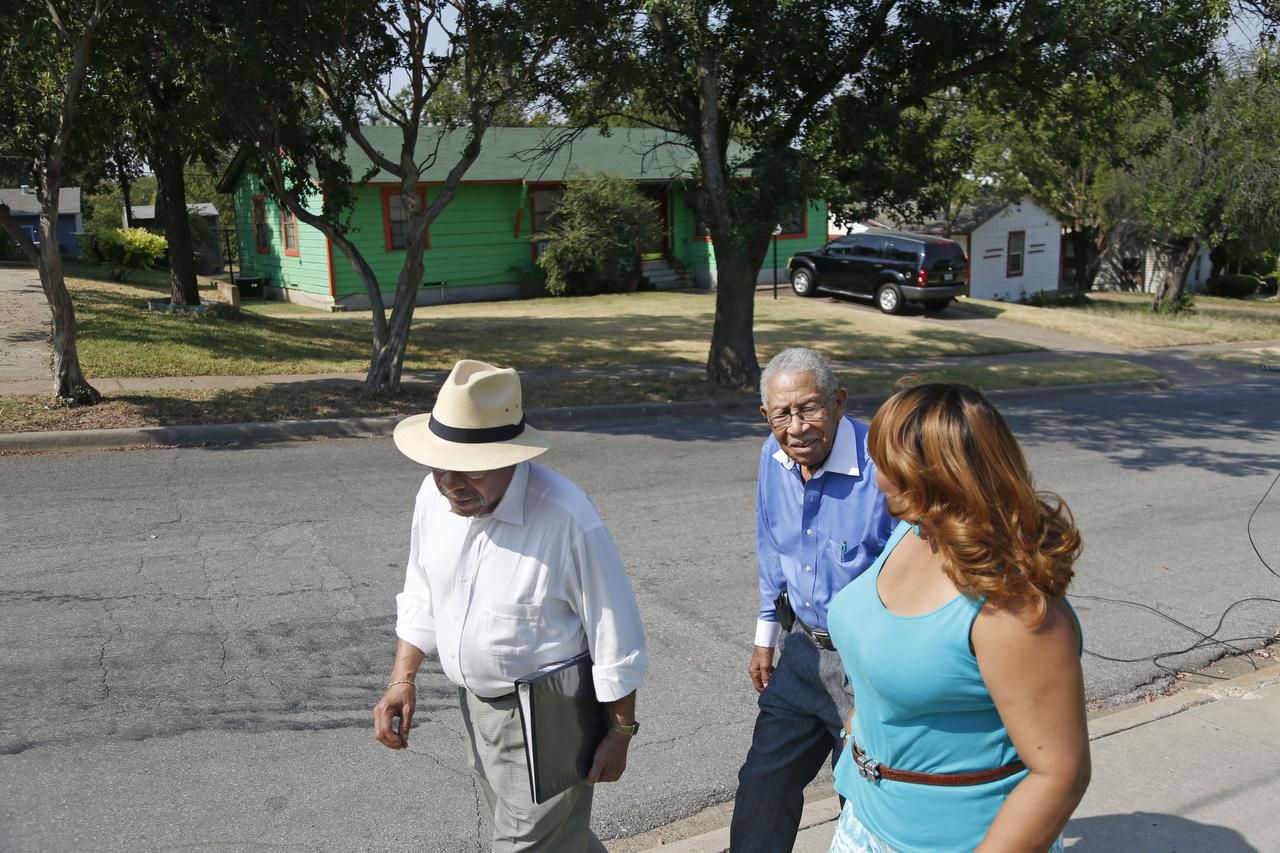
(538, 580)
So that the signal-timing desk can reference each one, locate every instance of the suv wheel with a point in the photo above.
(933, 306)
(802, 282)
(889, 299)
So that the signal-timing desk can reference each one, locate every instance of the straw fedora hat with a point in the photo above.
(477, 424)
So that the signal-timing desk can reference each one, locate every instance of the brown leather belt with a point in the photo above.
(821, 639)
(874, 771)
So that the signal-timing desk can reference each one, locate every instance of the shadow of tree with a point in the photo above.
(1151, 832)
(1227, 430)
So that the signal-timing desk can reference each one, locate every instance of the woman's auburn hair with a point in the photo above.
(961, 476)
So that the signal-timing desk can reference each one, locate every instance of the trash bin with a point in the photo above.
(251, 286)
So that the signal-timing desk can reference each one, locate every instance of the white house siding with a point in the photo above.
(1042, 249)
(1156, 262)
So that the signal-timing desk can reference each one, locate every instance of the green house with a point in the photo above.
(485, 242)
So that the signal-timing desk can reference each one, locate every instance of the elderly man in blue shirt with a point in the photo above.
(820, 522)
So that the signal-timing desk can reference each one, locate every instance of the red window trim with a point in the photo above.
(803, 233)
(1022, 256)
(386, 219)
(260, 248)
(288, 218)
(533, 215)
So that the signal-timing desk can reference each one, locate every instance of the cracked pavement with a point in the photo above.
(191, 639)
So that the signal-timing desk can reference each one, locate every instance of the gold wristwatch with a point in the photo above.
(622, 729)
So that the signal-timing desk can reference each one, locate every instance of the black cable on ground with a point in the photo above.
(1205, 640)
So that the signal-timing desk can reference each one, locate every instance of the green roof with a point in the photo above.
(513, 154)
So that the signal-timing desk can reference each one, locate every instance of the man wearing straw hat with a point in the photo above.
(510, 569)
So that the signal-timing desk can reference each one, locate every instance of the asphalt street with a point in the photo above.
(191, 639)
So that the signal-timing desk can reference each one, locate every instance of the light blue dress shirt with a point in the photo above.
(813, 538)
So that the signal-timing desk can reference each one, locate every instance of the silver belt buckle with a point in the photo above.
(868, 767)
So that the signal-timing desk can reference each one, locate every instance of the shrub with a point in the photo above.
(8, 248)
(1058, 298)
(1184, 304)
(1233, 286)
(125, 250)
(594, 237)
(1269, 285)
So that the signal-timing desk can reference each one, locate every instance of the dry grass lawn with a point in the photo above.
(314, 399)
(119, 339)
(1126, 320)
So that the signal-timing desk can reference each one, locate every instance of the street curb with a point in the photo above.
(827, 810)
(1185, 699)
(557, 418)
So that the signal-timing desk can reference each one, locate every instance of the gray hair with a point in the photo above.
(798, 360)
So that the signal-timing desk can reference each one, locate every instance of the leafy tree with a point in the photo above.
(157, 55)
(321, 85)
(596, 235)
(696, 70)
(1216, 179)
(922, 162)
(45, 54)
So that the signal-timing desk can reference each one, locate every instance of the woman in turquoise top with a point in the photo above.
(968, 731)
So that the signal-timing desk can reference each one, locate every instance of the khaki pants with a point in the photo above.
(563, 823)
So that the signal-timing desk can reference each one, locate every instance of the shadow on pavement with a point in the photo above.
(1150, 832)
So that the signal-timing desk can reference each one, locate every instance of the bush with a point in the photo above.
(1269, 286)
(125, 250)
(594, 237)
(1233, 286)
(8, 248)
(1182, 305)
(1058, 299)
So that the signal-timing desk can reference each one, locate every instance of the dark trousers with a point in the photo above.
(797, 730)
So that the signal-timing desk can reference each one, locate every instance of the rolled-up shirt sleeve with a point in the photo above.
(610, 616)
(415, 621)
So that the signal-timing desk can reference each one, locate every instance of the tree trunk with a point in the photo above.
(1175, 273)
(172, 205)
(387, 360)
(126, 191)
(1085, 246)
(70, 386)
(732, 360)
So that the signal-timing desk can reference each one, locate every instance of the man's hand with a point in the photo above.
(761, 668)
(610, 759)
(398, 701)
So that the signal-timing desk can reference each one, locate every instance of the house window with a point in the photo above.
(289, 232)
(1013, 259)
(261, 235)
(395, 222)
(543, 202)
(794, 223)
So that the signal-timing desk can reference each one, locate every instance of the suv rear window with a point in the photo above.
(944, 257)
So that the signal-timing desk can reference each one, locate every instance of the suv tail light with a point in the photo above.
(922, 277)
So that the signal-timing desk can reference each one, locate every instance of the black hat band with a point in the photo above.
(483, 435)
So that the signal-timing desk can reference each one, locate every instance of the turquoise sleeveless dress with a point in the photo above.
(921, 705)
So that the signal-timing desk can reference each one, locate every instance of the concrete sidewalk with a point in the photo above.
(1196, 772)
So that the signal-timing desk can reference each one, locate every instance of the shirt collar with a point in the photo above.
(843, 458)
(510, 508)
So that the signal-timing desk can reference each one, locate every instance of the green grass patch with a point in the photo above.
(309, 400)
(1127, 320)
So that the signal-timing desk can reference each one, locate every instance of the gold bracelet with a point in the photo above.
(402, 681)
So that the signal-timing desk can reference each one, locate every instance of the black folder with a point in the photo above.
(563, 724)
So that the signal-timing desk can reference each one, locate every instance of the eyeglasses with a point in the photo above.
(813, 413)
(473, 476)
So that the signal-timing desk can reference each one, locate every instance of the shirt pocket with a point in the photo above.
(509, 630)
(841, 554)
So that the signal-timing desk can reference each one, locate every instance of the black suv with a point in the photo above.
(892, 266)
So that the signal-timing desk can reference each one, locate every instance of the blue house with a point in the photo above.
(25, 208)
